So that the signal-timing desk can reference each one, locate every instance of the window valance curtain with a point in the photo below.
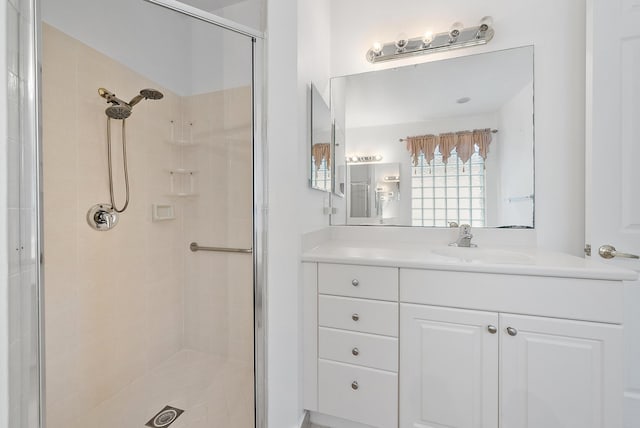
(464, 142)
(320, 152)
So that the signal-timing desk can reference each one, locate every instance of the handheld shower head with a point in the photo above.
(118, 111)
(146, 94)
(152, 94)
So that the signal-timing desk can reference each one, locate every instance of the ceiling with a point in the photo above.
(429, 91)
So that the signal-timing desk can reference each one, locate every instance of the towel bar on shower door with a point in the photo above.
(195, 247)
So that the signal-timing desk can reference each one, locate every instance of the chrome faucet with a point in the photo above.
(464, 237)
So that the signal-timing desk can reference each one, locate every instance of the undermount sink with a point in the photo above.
(484, 255)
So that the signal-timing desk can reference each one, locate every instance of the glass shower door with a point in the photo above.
(140, 329)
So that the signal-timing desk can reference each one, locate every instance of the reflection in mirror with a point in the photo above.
(321, 130)
(459, 132)
(374, 193)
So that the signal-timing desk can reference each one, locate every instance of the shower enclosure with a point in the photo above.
(144, 306)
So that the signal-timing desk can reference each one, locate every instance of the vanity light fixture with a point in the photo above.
(457, 37)
(364, 159)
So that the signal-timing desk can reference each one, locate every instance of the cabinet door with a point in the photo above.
(560, 373)
(448, 368)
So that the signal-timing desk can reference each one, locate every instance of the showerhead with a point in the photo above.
(152, 94)
(118, 111)
(146, 94)
(121, 109)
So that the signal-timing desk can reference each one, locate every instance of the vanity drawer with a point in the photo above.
(359, 394)
(378, 352)
(366, 316)
(358, 281)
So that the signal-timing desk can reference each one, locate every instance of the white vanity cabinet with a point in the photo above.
(357, 343)
(559, 373)
(449, 367)
(402, 347)
(462, 368)
(486, 367)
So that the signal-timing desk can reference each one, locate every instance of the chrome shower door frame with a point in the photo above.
(33, 106)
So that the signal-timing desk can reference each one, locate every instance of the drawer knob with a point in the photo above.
(492, 329)
(355, 282)
(355, 351)
(354, 385)
(512, 331)
(355, 317)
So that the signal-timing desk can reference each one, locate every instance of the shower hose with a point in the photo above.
(124, 161)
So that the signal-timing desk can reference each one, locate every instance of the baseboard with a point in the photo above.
(631, 409)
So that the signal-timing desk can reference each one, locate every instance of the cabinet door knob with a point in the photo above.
(492, 329)
(354, 385)
(355, 282)
(355, 317)
(512, 331)
(355, 351)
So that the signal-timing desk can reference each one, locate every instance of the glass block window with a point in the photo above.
(444, 193)
(321, 177)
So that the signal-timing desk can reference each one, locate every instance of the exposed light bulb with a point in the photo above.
(427, 38)
(402, 41)
(486, 23)
(455, 30)
(378, 157)
(377, 48)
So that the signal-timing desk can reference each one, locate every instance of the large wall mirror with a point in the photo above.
(438, 143)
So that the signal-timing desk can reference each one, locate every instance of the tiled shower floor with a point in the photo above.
(212, 391)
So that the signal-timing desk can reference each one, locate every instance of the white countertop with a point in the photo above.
(516, 261)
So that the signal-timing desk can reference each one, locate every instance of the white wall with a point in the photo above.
(249, 12)
(187, 56)
(297, 53)
(218, 59)
(143, 37)
(557, 29)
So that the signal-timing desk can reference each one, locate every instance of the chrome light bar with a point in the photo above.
(456, 38)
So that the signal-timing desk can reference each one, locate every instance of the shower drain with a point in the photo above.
(165, 417)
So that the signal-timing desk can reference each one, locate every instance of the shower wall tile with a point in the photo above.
(115, 300)
(120, 303)
(223, 295)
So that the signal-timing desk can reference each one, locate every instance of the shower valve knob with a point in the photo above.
(102, 217)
